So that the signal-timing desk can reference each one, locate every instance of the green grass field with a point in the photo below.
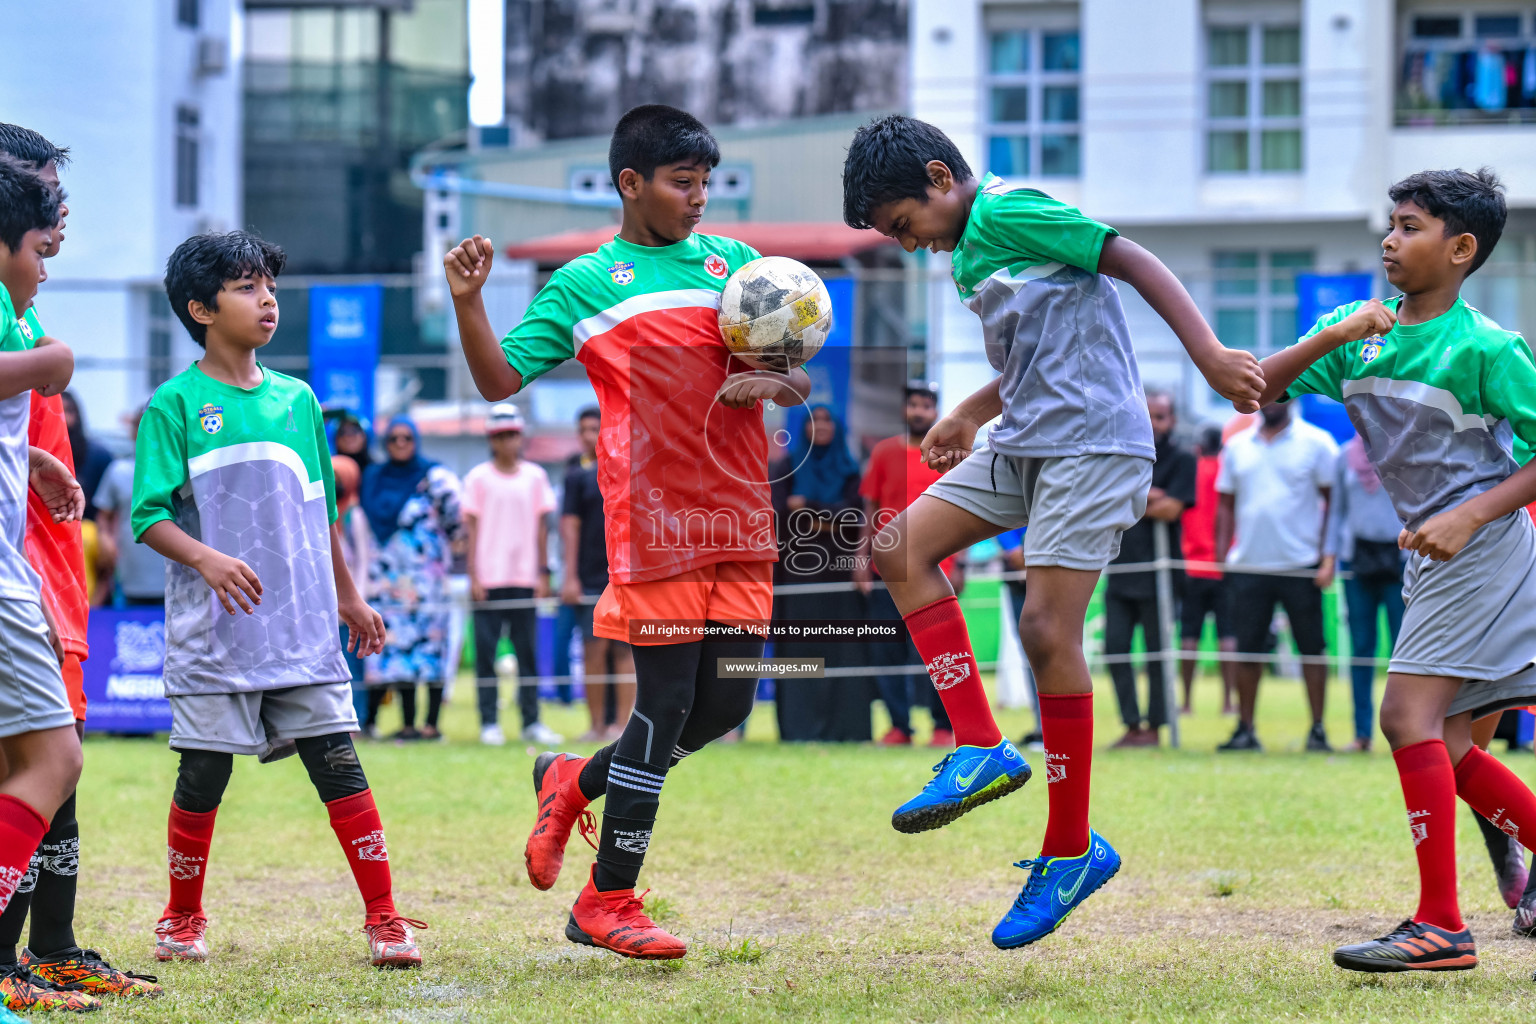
(779, 865)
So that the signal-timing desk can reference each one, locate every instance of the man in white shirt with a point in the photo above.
(1274, 491)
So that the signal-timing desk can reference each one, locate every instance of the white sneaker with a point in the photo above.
(491, 736)
(542, 735)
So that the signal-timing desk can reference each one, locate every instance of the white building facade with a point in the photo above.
(147, 98)
(1242, 141)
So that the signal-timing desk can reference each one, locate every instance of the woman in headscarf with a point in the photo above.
(822, 539)
(350, 436)
(412, 505)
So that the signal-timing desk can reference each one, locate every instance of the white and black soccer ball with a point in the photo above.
(775, 313)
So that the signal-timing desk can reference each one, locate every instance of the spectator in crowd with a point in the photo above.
(1273, 490)
(350, 436)
(1362, 539)
(507, 502)
(1011, 543)
(412, 506)
(1130, 598)
(356, 547)
(91, 458)
(137, 569)
(897, 475)
(823, 536)
(1205, 592)
(584, 539)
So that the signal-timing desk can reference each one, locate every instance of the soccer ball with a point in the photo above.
(775, 313)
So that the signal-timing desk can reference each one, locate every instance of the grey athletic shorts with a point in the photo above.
(1474, 618)
(32, 696)
(262, 722)
(1075, 506)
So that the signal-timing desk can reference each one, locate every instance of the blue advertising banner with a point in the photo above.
(124, 685)
(1317, 294)
(344, 330)
(831, 368)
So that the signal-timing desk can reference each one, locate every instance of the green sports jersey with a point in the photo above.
(247, 472)
(1053, 326)
(1446, 408)
(18, 581)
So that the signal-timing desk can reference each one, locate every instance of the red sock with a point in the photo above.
(355, 820)
(1429, 790)
(1066, 723)
(186, 853)
(939, 634)
(21, 829)
(1497, 793)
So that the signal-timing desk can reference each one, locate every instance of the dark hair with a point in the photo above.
(1467, 201)
(888, 161)
(655, 134)
(1167, 396)
(925, 388)
(591, 412)
(26, 202)
(199, 267)
(1210, 440)
(29, 147)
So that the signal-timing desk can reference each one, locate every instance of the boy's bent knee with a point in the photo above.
(333, 765)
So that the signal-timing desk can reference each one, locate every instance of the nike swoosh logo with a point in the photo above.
(1067, 895)
(963, 782)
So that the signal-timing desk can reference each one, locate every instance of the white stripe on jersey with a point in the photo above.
(652, 302)
(257, 451)
(1421, 394)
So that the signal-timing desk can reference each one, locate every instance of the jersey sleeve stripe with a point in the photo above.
(257, 451)
(652, 302)
(1420, 394)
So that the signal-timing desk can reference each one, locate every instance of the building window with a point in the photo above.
(1253, 98)
(1255, 298)
(1465, 66)
(187, 13)
(1033, 91)
(186, 156)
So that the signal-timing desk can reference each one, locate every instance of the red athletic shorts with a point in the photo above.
(673, 610)
(74, 684)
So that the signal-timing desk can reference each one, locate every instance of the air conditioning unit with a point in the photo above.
(212, 56)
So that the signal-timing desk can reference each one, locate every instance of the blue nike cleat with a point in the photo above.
(967, 778)
(1056, 886)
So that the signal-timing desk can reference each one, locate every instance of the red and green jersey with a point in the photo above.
(684, 479)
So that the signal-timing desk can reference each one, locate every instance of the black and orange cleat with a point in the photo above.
(1412, 946)
(561, 803)
(20, 989)
(84, 970)
(616, 921)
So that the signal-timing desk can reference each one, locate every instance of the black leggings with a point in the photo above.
(331, 761)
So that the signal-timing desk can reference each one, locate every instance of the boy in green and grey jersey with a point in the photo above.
(233, 486)
(1445, 402)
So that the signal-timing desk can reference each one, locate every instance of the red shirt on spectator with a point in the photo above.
(1198, 524)
(54, 549)
(897, 475)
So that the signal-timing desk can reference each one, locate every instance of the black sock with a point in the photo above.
(593, 780)
(634, 796)
(53, 902)
(434, 704)
(1493, 838)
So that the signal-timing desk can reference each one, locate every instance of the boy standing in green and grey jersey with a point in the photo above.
(233, 486)
(1445, 402)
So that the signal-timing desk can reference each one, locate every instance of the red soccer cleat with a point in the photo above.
(560, 805)
(894, 737)
(391, 943)
(181, 937)
(616, 921)
(943, 739)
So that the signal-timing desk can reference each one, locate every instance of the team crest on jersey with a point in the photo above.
(1371, 349)
(716, 266)
(212, 418)
(622, 273)
(26, 330)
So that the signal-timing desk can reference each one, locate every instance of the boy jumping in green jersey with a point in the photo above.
(234, 488)
(1445, 401)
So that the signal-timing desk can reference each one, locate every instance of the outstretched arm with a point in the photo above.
(1234, 374)
(467, 265)
(1283, 367)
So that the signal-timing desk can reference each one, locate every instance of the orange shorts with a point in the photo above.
(74, 684)
(673, 610)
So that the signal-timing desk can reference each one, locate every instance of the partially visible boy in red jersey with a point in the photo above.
(55, 552)
(1205, 591)
(683, 469)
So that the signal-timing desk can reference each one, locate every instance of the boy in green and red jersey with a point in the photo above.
(682, 465)
(233, 486)
(1445, 402)
(54, 549)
